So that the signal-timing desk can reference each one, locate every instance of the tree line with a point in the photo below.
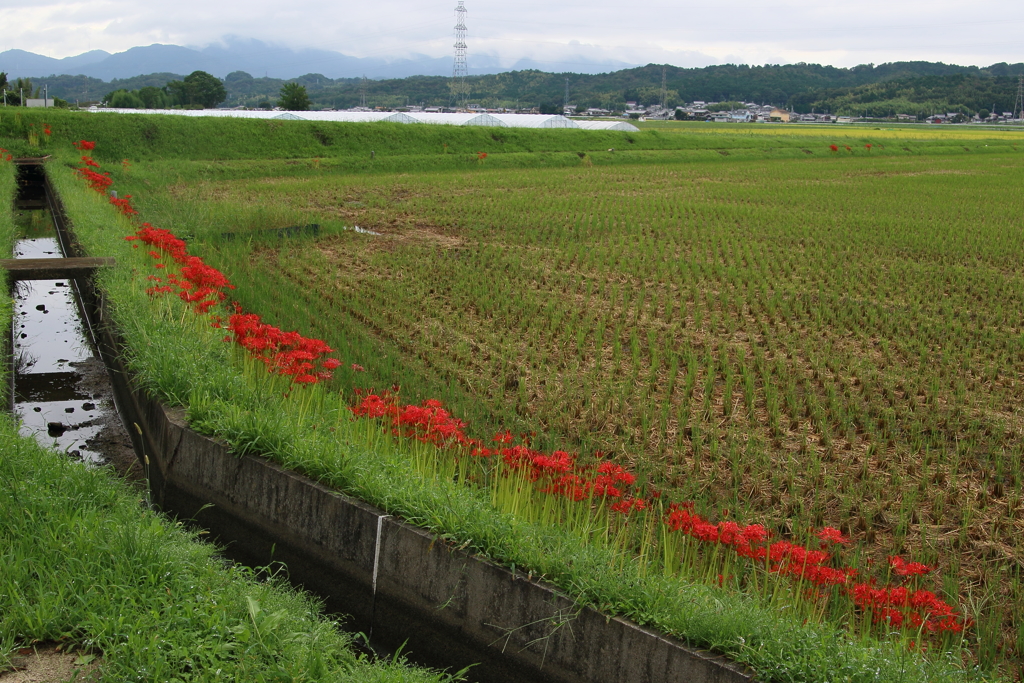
(873, 90)
(15, 93)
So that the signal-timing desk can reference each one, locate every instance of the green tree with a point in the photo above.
(17, 88)
(198, 89)
(124, 99)
(293, 97)
(154, 98)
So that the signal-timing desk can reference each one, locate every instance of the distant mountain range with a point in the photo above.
(261, 59)
(254, 73)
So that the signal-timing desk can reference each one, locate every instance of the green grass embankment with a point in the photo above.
(396, 147)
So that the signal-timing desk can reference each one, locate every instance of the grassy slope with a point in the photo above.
(154, 137)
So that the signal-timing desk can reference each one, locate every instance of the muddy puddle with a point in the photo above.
(62, 394)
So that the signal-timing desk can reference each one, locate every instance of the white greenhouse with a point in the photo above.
(467, 119)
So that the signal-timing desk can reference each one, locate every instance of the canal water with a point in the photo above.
(61, 391)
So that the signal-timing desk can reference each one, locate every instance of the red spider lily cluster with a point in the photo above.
(124, 205)
(100, 182)
(203, 287)
(428, 422)
(3, 151)
(481, 155)
(609, 485)
(283, 353)
(197, 283)
(901, 607)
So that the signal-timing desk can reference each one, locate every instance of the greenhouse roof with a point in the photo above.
(535, 121)
(457, 119)
(608, 125)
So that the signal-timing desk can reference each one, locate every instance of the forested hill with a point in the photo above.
(909, 87)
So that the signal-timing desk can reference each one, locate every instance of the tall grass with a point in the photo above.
(8, 190)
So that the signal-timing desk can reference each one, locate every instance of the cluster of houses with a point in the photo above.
(751, 112)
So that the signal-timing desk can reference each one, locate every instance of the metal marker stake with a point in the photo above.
(376, 566)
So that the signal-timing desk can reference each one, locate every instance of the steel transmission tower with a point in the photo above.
(1018, 104)
(459, 86)
(664, 90)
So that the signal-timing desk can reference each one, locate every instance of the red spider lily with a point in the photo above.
(481, 155)
(868, 146)
(834, 148)
(831, 535)
(901, 567)
(283, 353)
(428, 422)
(99, 182)
(84, 145)
(503, 437)
(922, 609)
(356, 367)
(124, 205)
(46, 130)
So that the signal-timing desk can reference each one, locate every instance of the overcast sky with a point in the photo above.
(684, 33)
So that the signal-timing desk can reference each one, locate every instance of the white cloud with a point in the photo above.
(682, 33)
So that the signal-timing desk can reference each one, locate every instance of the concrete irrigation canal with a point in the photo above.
(60, 389)
(398, 583)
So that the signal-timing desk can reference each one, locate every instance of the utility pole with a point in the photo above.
(565, 104)
(460, 70)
